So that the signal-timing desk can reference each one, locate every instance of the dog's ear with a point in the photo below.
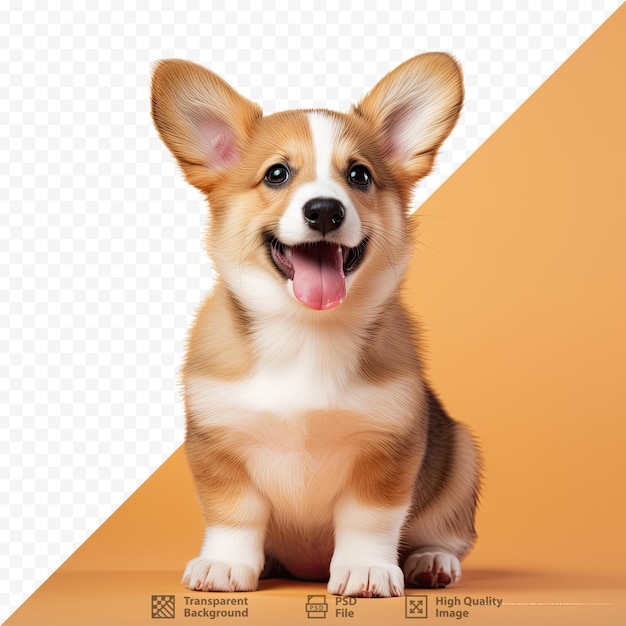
(414, 108)
(202, 120)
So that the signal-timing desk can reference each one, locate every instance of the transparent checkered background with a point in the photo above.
(101, 257)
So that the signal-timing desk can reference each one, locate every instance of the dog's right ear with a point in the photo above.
(201, 119)
(414, 108)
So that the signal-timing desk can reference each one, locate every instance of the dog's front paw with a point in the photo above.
(206, 575)
(425, 568)
(366, 582)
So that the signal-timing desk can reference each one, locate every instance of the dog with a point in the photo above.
(317, 448)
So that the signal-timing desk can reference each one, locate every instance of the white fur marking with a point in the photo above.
(431, 567)
(231, 559)
(301, 389)
(234, 545)
(366, 550)
(292, 228)
(324, 133)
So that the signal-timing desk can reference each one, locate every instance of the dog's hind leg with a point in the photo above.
(440, 527)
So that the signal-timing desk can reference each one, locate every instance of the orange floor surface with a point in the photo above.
(485, 597)
(519, 279)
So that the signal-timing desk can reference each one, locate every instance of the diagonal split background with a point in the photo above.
(518, 276)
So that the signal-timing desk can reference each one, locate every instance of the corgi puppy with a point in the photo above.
(317, 448)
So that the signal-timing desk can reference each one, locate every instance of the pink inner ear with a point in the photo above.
(216, 141)
(400, 133)
(226, 150)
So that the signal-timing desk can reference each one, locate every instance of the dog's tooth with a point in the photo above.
(288, 253)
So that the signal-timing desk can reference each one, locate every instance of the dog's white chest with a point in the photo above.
(297, 371)
(301, 417)
(296, 429)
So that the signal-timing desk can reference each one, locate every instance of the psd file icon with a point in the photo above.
(316, 607)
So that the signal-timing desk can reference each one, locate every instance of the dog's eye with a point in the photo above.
(277, 175)
(359, 175)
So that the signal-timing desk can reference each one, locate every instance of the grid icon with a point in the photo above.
(163, 607)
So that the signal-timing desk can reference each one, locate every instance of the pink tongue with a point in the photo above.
(318, 279)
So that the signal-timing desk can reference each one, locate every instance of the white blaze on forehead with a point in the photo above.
(292, 228)
(324, 133)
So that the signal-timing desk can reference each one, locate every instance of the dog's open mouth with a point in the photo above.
(318, 270)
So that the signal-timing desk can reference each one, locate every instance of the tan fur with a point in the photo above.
(219, 474)
(299, 420)
(217, 343)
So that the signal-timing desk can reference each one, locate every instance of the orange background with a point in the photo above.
(519, 278)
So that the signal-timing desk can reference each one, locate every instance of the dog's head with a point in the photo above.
(309, 208)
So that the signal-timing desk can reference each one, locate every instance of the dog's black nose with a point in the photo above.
(324, 214)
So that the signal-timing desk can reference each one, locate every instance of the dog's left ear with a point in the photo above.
(414, 108)
(202, 120)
